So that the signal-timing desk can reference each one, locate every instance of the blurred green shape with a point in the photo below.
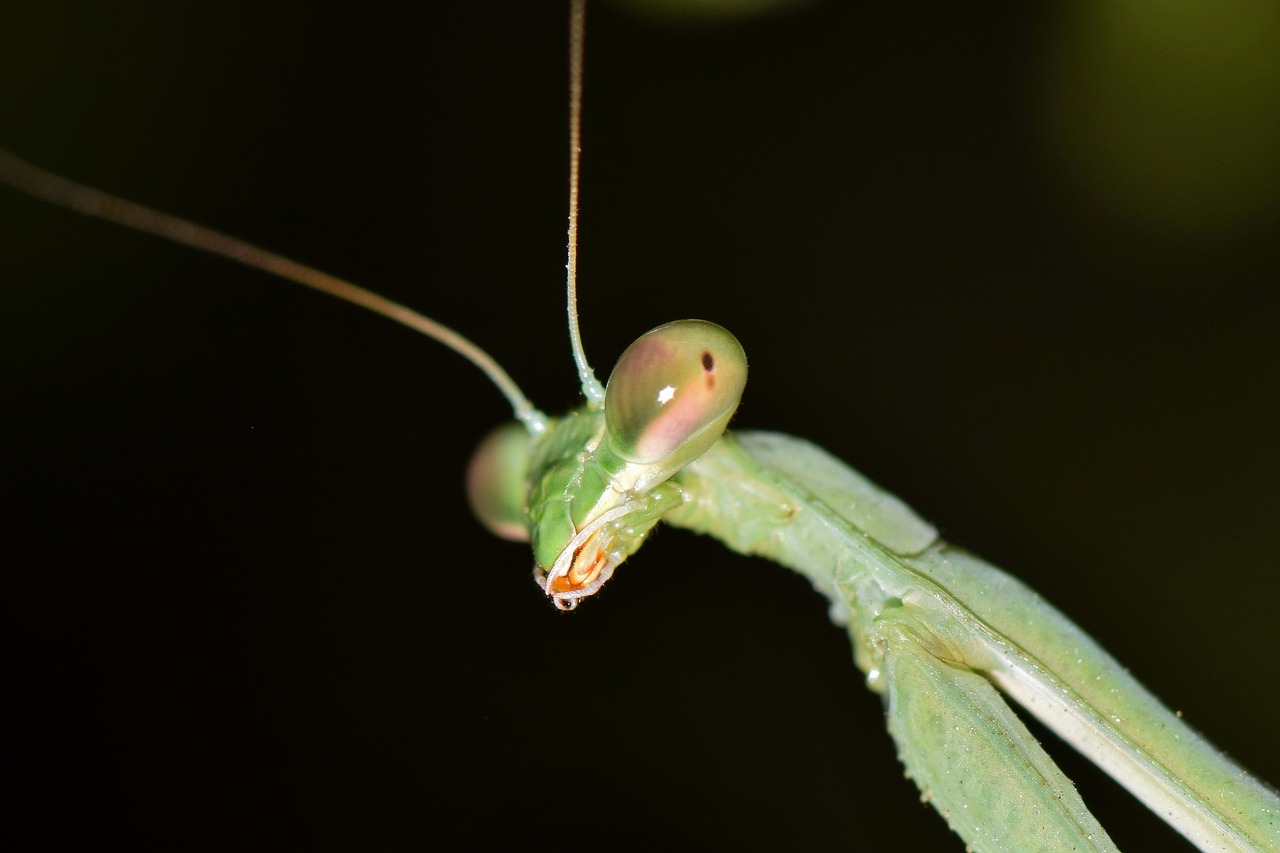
(1170, 111)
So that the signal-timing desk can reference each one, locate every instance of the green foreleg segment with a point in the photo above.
(971, 757)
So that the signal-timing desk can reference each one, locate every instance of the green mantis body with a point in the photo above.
(935, 628)
(711, 710)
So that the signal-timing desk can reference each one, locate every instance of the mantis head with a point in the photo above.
(587, 490)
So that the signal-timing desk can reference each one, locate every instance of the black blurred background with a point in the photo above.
(1016, 265)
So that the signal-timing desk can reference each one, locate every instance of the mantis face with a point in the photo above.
(587, 491)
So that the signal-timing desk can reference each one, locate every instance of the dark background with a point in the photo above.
(244, 599)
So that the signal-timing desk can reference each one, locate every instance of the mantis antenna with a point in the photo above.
(45, 185)
(591, 387)
(63, 192)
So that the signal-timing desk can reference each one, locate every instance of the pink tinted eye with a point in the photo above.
(496, 482)
(671, 387)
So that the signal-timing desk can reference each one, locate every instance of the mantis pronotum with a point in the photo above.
(230, 562)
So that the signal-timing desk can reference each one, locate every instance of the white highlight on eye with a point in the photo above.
(665, 395)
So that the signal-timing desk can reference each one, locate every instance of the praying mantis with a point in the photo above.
(208, 480)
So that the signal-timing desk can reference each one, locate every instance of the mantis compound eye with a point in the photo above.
(497, 482)
(673, 391)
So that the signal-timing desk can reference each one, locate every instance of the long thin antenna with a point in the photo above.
(591, 387)
(45, 185)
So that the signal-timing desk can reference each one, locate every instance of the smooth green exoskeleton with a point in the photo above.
(945, 638)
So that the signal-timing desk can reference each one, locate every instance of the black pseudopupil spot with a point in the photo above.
(708, 363)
